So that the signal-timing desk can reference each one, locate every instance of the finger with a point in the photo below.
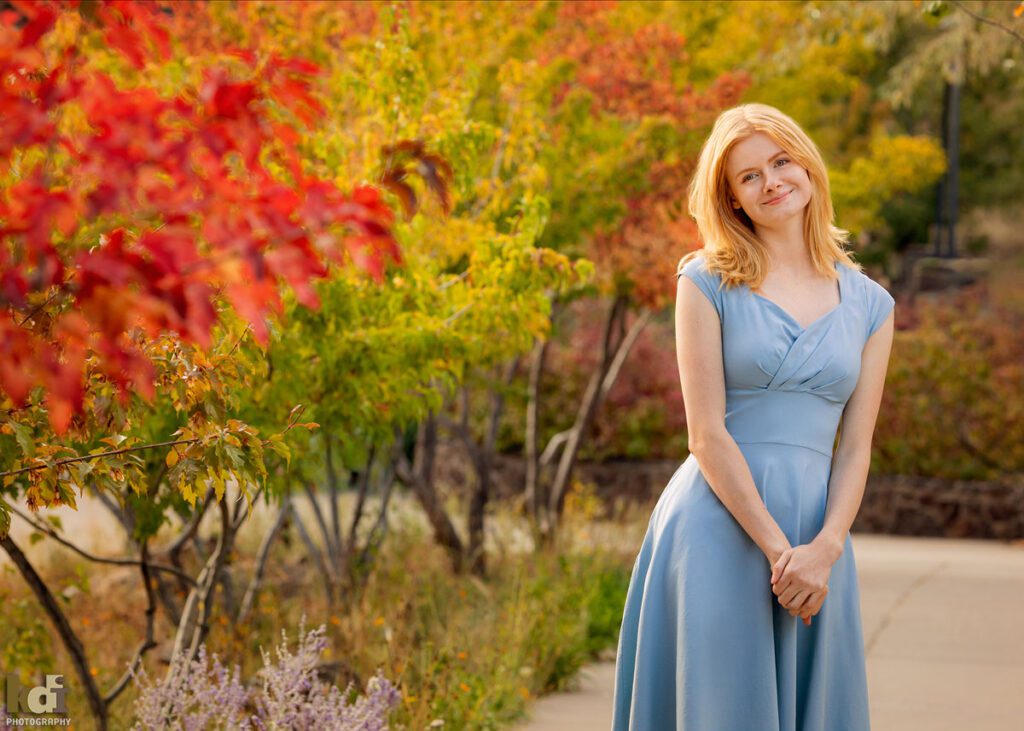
(781, 584)
(820, 602)
(786, 598)
(796, 604)
(780, 564)
(815, 602)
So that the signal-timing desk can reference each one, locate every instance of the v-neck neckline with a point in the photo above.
(842, 300)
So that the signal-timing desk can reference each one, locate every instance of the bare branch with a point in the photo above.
(261, 561)
(60, 622)
(988, 21)
(315, 553)
(149, 642)
(87, 457)
(190, 528)
(42, 527)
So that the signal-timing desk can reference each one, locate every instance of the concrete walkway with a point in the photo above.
(943, 632)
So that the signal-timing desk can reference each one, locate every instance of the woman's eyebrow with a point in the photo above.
(780, 152)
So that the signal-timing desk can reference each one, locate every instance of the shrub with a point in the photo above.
(203, 694)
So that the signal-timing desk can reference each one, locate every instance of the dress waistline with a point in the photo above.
(800, 418)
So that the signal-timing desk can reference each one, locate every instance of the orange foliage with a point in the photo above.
(635, 75)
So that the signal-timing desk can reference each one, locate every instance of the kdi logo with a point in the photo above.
(46, 698)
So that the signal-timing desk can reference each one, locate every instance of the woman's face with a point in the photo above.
(765, 182)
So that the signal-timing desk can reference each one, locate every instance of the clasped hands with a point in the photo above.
(800, 579)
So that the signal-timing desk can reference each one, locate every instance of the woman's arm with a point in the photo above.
(852, 460)
(701, 373)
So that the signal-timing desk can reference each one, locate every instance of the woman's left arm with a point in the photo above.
(801, 573)
(852, 458)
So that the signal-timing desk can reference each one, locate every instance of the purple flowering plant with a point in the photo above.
(288, 694)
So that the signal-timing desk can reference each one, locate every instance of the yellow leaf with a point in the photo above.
(186, 490)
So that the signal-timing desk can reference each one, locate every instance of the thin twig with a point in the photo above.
(261, 561)
(1000, 26)
(91, 557)
(149, 642)
(86, 458)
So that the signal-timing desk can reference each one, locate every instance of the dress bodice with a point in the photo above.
(784, 382)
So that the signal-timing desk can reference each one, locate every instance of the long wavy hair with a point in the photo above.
(731, 247)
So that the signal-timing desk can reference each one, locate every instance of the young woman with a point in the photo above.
(743, 612)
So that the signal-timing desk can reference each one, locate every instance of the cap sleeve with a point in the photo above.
(708, 283)
(880, 304)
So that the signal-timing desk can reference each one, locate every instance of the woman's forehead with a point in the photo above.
(752, 151)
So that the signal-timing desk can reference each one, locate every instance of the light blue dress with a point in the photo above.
(705, 644)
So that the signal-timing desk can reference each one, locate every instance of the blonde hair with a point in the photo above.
(731, 247)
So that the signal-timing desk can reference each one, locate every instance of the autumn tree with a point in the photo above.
(153, 204)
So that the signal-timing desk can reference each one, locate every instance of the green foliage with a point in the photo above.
(25, 643)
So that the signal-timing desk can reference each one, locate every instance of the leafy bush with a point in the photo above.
(952, 406)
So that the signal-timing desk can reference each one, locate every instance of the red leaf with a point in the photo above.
(229, 100)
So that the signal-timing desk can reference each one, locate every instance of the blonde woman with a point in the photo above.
(743, 612)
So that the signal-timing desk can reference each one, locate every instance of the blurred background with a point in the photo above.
(451, 452)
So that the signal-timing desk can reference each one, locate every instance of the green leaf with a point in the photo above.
(280, 448)
(236, 455)
(23, 434)
(5, 520)
(67, 493)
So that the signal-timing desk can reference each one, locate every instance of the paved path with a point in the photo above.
(943, 631)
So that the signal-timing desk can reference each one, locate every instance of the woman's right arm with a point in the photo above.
(702, 375)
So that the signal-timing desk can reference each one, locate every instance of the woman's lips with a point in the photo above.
(779, 199)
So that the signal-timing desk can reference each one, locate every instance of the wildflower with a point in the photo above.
(204, 694)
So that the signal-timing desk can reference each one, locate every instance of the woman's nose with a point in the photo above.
(770, 182)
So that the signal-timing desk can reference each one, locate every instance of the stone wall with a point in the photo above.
(893, 504)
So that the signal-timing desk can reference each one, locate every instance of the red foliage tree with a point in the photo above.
(138, 221)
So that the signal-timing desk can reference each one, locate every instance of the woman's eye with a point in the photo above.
(748, 175)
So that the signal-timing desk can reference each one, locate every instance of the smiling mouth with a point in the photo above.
(780, 198)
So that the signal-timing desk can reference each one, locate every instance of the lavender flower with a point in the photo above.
(294, 698)
(203, 694)
(194, 696)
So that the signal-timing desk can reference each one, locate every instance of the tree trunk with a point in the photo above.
(616, 345)
(60, 622)
(420, 478)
